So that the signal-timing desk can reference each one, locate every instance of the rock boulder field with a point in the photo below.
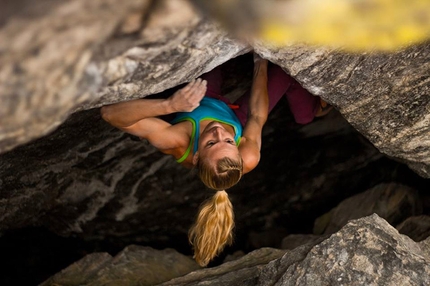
(65, 170)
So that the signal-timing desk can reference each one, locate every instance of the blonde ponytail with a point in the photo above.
(213, 228)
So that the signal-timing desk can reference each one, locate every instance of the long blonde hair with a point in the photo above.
(213, 229)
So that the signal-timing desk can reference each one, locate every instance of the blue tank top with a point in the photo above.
(211, 109)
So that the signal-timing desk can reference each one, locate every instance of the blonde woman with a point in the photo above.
(220, 139)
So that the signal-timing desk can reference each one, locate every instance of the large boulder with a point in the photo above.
(367, 251)
(135, 265)
(383, 95)
(60, 57)
(63, 168)
(76, 56)
(393, 202)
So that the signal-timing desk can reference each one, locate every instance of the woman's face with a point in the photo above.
(217, 142)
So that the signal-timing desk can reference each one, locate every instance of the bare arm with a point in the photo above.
(131, 116)
(250, 145)
(125, 114)
(139, 117)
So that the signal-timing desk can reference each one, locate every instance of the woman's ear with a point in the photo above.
(195, 158)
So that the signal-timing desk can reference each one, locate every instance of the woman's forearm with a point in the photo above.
(259, 101)
(127, 113)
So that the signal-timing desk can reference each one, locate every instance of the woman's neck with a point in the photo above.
(228, 127)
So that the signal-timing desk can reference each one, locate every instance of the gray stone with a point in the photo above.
(132, 49)
(135, 265)
(80, 55)
(45, 60)
(60, 60)
(293, 241)
(367, 251)
(416, 227)
(383, 95)
(82, 271)
(393, 202)
(242, 271)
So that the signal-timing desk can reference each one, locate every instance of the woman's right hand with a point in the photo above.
(188, 98)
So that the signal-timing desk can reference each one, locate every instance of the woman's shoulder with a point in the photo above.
(250, 153)
(178, 141)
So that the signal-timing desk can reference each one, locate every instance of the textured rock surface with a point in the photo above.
(384, 96)
(77, 55)
(46, 48)
(135, 265)
(295, 240)
(367, 251)
(109, 184)
(143, 49)
(63, 59)
(393, 202)
(416, 227)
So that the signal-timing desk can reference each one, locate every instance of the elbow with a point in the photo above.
(260, 119)
(105, 113)
(251, 162)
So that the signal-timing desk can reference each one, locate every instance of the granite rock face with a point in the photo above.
(384, 96)
(65, 169)
(416, 227)
(60, 57)
(135, 265)
(46, 49)
(367, 251)
(88, 55)
(392, 202)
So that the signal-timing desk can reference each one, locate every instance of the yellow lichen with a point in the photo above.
(353, 25)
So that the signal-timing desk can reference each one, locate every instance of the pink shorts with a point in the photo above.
(303, 105)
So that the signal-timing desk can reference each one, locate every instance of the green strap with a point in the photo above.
(187, 152)
(193, 134)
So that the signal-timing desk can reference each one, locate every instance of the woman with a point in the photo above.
(225, 142)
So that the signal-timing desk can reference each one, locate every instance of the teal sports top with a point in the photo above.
(211, 109)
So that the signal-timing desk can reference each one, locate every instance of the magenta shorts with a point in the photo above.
(303, 105)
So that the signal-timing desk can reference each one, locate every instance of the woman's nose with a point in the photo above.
(218, 132)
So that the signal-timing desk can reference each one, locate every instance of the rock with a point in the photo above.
(382, 95)
(65, 169)
(242, 271)
(416, 227)
(366, 251)
(87, 267)
(393, 202)
(145, 49)
(89, 178)
(44, 73)
(271, 237)
(135, 265)
(76, 55)
(234, 256)
(293, 241)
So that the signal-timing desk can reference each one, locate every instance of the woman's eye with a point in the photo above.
(210, 143)
(229, 141)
